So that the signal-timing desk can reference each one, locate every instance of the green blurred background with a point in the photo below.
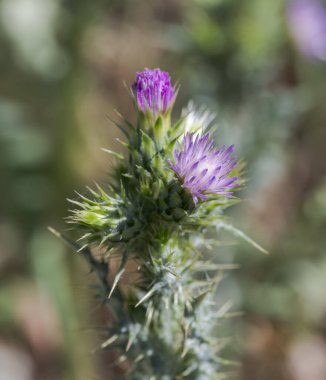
(62, 67)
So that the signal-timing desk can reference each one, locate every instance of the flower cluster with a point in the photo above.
(153, 91)
(202, 169)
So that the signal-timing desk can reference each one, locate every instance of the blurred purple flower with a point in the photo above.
(307, 24)
(202, 169)
(153, 91)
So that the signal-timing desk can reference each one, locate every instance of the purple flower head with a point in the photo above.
(307, 24)
(153, 91)
(203, 169)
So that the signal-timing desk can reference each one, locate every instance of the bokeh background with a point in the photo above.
(261, 67)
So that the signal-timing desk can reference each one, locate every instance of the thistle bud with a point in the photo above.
(154, 94)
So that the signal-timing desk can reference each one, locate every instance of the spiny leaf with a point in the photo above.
(114, 154)
(158, 132)
(123, 143)
(123, 128)
(147, 144)
(238, 233)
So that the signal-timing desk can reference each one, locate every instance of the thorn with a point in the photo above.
(109, 341)
(54, 232)
(150, 293)
(139, 358)
(224, 308)
(116, 280)
(132, 338)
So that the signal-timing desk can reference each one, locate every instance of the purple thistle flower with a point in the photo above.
(153, 91)
(307, 24)
(203, 169)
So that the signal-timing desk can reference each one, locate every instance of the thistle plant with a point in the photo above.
(152, 218)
